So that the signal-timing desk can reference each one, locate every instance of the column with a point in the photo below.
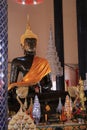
(3, 64)
(58, 27)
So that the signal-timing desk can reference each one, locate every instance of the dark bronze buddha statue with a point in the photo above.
(35, 70)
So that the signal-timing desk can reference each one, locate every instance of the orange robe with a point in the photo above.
(38, 70)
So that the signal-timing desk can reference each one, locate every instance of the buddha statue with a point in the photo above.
(34, 69)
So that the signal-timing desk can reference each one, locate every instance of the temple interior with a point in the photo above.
(46, 71)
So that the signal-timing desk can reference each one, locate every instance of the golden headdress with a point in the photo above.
(28, 33)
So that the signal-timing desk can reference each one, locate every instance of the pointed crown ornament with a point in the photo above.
(28, 33)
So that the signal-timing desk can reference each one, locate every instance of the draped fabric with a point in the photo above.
(39, 69)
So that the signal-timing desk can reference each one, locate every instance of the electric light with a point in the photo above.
(29, 2)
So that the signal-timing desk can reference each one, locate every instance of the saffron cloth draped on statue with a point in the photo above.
(39, 69)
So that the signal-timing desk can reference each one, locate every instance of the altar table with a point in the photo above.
(64, 126)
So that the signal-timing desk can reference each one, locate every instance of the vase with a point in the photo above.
(79, 120)
(59, 107)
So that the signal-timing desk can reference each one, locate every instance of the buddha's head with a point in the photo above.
(29, 41)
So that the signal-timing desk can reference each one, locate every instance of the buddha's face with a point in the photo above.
(30, 45)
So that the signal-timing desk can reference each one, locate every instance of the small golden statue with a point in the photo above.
(78, 93)
(82, 94)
